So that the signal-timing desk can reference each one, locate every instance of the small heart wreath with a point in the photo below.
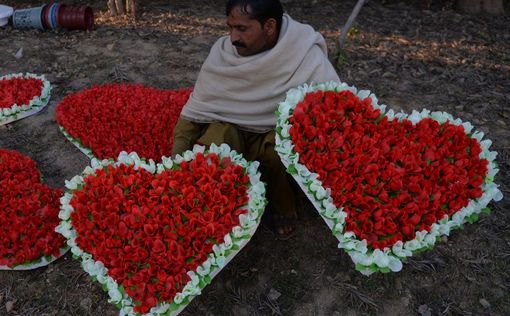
(388, 185)
(22, 95)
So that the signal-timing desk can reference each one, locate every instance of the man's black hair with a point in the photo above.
(260, 10)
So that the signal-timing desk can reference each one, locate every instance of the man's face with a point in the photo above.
(248, 35)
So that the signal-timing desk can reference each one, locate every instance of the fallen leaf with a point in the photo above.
(485, 303)
(19, 53)
(9, 306)
(424, 310)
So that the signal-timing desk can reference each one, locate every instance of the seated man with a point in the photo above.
(240, 85)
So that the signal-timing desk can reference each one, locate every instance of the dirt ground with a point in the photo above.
(412, 59)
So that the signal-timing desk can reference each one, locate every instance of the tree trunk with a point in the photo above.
(131, 7)
(113, 7)
(117, 7)
(494, 7)
(120, 6)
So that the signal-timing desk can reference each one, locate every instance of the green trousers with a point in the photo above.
(253, 146)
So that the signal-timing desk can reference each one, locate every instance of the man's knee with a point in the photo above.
(267, 154)
(186, 134)
(222, 133)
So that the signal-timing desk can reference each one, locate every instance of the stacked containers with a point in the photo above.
(75, 18)
(26, 18)
(54, 16)
(49, 16)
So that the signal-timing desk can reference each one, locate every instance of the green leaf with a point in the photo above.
(422, 249)
(486, 210)
(457, 227)
(373, 267)
(360, 267)
(472, 218)
(385, 270)
(291, 169)
(381, 116)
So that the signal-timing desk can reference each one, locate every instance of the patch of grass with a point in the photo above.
(353, 31)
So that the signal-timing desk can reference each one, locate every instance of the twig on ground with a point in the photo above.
(266, 302)
(237, 295)
(119, 73)
(425, 265)
(355, 297)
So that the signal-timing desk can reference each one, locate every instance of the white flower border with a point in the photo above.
(37, 263)
(367, 260)
(221, 255)
(17, 112)
(77, 142)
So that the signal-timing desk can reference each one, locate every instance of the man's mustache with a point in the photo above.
(239, 44)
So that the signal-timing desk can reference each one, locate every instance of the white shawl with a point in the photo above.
(246, 90)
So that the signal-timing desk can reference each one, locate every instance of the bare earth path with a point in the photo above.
(411, 59)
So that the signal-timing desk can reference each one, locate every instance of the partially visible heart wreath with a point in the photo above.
(104, 120)
(29, 214)
(388, 185)
(22, 95)
(156, 234)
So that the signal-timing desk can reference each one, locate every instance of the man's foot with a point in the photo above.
(284, 227)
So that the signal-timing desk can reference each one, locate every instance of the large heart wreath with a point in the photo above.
(28, 212)
(155, 235)
(104, 120)
(22, 95)
(388, 185)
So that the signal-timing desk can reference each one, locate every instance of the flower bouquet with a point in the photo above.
(154, 235)
(29, 213)
(387, 184)
(104, 120)
(22, 95)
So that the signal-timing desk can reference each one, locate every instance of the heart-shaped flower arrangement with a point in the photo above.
(28, 212)
(22, 95)
(104, 120)
(155, 235)
(388, 185)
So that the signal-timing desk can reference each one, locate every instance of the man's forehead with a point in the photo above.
(239, 12)
(239, 18)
